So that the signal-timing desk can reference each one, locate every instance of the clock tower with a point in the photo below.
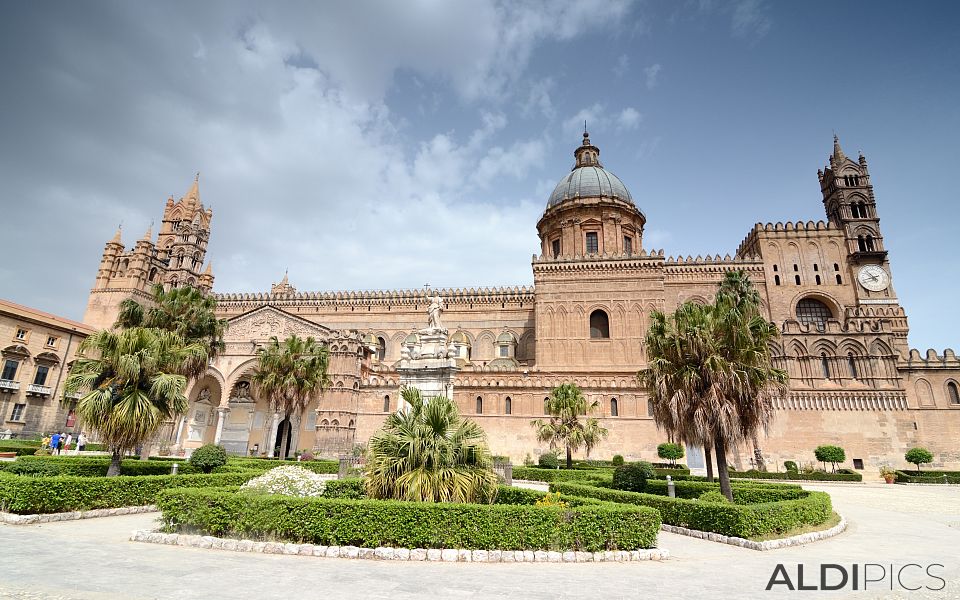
(851, 207)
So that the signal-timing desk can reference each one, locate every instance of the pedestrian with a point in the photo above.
(81, 442)
(66, 445)
(46, 440)
(63, 438)
(54, 441)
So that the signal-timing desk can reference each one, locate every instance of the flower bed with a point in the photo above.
(739, 520)
(585, 525)
(24, 494)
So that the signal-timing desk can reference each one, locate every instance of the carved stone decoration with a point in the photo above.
(268, 321)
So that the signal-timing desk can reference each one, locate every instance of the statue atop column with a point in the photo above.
(433, 314)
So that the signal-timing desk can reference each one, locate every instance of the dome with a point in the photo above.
(586, 182)
(459, 337)
(506, 338)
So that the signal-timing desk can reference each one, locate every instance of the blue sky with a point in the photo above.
(385, 145)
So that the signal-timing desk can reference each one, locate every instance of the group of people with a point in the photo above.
(58, 442)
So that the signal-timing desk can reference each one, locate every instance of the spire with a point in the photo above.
(116, 236)
(587, 154)
(193, 196)
(148, 234)
(209, 269)
(838, 155)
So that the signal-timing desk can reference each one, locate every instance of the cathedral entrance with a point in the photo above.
(283, 430)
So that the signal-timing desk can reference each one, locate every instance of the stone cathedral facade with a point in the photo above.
(828, 285)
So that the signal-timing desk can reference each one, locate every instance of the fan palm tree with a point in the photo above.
(290, 374)
(565, 406)
(131, 381)
(709, 372)
(186, 311)
(429, 453)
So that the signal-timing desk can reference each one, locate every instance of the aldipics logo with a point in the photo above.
(867, 576)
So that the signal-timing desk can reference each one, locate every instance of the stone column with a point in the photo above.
(222, 412)
(180, 423)
(272, 438)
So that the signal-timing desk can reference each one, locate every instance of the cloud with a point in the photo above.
(629, 118)
(749, 19)
(652, 72)
(539, 100)
(623, 65)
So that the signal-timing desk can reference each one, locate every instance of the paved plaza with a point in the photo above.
(93, 559)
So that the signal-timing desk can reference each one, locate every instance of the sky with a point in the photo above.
(383, 145)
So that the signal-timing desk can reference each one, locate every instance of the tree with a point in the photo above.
(132, 381)
(830, 454)
(186, 311)
(429, 453)
(671, 452)
(918, 456)
(709, 371)
(565, 429)
(289, 375)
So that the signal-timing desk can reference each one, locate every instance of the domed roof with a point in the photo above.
(506, 338)
(586, 182)
(589, 179)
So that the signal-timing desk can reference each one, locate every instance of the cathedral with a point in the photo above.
(827, 285)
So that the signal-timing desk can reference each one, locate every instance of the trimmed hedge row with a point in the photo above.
(28, 495)
(929, 477)
(743, 492)
(373, 523)
(740, 520)
(324, 467)
(21, 449)
(548, 475)
(795, 475)
(84, 466)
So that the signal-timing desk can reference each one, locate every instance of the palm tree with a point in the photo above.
(709, 371)
(290, 374)
(565, 406)
(429, 453)
(186, 311)
(131, 381)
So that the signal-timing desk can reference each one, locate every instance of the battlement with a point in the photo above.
(450, 296)
(779, 229)
(709, 260)
(639, 254)
(947, 360)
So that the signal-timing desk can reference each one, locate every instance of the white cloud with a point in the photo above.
(749, 19)
(652, 72)
(629, 118)
(623, 65)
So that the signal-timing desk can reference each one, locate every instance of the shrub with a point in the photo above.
(86, 466)
(350, 489)
(830, 454)
(548, 461)
(918, 456)
(28, 495)
(287, 480)
(209, 457)
(22, 448)
(374, 523)
(929, 477)
(633, 477)
(789, 465)
(548, 475)
(745, 521)
(840, 475)
(744, 492)
(306, 455)
(670, 451)
(528, 460)
(713, 496)
(617, 460)
(551, 500)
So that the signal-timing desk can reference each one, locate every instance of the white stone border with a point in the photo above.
(796, 540)
(15, 519)
(384, 553)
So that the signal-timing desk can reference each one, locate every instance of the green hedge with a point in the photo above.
(21, 448)
(739, 520)
(28, 495)
(797, 476)
(352, 489)
(674, 473)
(89, 466)
(548, 475)
(929, 477)
(743, 492)
(373, 523)
(327, 467)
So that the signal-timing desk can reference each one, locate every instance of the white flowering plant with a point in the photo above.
(287, 481)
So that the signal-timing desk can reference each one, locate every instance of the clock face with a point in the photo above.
(873, 278)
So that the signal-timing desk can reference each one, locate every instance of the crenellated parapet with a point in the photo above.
(652, 263)
(364, 298)
(932, 360)
(790, 229)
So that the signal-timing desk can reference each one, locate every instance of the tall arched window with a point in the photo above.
(825, 365)
(953, 392)
(614, 409)
(386, 403)
(381, 349)
(479, 405)
(599, 325)
(811, 311)
(852, 364)
(508, 406)
(546, 405)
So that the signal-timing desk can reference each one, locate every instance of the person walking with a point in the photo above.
(53, 443)
(46, 440)
(66, 444)
(81, 442)
(63, 438)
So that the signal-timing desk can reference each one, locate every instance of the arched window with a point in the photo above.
(386, 403)
(153, 275)
(546, 404)
(479, 405)
(614, 410)
(852, 364)
(953, 392)
(776, 279)
(381, 349)
(870, 247)
(825, 365)
(812, 311)
(861, 244)
(599, 325)
(508, 406)
(650, 407)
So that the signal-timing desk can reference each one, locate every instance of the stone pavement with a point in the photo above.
(93, 559)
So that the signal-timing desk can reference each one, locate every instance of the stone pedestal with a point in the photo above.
(432, 376)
